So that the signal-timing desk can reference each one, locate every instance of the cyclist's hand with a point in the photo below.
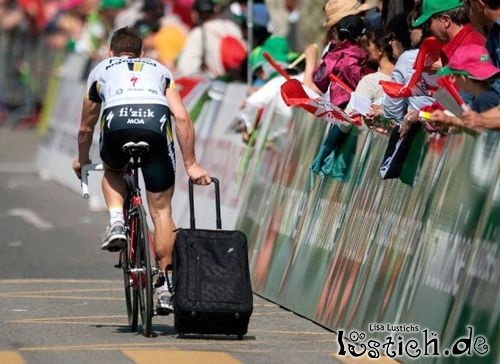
(198, 174)
(77, 167)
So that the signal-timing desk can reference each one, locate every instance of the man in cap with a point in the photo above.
(448, 21)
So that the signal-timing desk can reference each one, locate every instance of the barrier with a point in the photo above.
(368, 251)
(59, 145)
(25, 64)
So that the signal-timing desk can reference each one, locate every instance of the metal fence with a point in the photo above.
(26, 63)
(362, 250)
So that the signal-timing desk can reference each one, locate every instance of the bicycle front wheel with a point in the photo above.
(143, 254)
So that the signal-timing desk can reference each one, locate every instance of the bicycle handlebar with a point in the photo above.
(85, 176)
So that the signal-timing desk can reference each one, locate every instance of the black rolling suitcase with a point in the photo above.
(213, 292)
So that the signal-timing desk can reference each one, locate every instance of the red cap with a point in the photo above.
(471, 60)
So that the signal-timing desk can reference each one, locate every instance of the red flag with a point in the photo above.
(294, 94)
(276, 66)
(428, 53)
(449, 86)
(341, 83)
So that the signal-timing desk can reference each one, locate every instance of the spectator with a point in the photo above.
(396, 108)
(448, 21)
(99, 24)
(399, 27)
(262, 26)
(202, 50)
(380, 52)
(278, 48)
(473, 72)
(345, 59)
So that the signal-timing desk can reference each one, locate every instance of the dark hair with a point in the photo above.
(205, 9)
(382, 39)
(350, 27)
(458, 15)
(492, 4)
(400, 29)
(126, 40)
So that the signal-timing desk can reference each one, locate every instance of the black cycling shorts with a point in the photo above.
(158, 165)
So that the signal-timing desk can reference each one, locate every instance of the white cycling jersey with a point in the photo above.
(121, 80)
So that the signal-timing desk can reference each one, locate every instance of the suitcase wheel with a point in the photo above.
(240, 336)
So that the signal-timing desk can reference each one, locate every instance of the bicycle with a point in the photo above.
(137, 260)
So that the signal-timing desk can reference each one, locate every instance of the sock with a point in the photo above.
(116, 214)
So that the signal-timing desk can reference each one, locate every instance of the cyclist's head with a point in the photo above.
(126, 41)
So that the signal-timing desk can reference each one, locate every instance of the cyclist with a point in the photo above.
(137, 96)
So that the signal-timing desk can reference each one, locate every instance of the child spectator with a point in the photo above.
(473, 71)
(345, 59)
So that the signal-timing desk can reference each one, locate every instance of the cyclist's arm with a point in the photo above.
(184, 128)
(89, 118)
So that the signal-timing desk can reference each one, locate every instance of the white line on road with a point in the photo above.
(31, 217)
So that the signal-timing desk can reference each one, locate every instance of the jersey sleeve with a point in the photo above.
(169, 79)
(92, 91)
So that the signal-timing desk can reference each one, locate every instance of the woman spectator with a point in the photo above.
(396, 108)
(343, 55)
(380, 53)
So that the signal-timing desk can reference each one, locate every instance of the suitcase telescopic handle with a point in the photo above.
(217, 203)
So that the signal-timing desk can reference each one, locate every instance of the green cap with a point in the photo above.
(112, 4)
(433, 7)
(277, 47)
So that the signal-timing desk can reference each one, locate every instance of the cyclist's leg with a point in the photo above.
(114, 189)
(113, 184)
(160, 209)
(159, 177)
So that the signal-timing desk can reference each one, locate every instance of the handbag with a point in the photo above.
(397, 151)
(415, 158)
(336, 155)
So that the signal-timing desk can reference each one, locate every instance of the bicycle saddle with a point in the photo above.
(134, 148)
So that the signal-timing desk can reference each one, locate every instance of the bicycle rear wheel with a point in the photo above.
(143, 254)
(131, 292)
(128, 262)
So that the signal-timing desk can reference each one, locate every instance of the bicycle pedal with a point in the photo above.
(160, 311)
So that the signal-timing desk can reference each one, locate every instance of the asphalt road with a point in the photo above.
(62, 299)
